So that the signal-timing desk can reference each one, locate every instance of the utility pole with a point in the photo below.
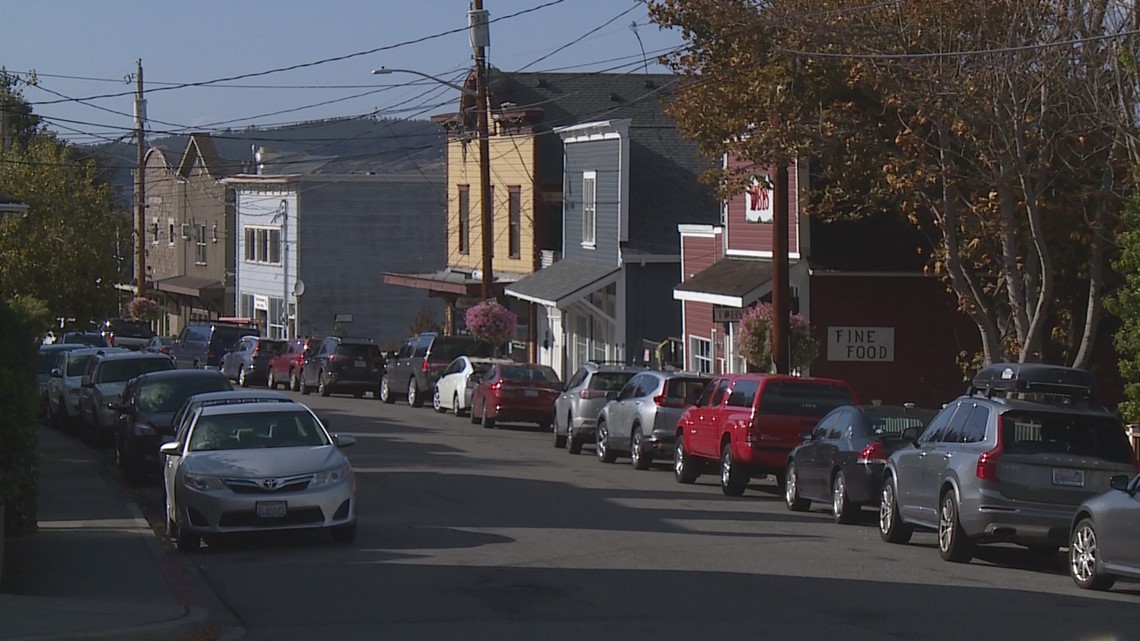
(781, 307)
(140, 184)
(478, 28)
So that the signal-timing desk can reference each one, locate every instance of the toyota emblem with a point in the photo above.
(269, 484)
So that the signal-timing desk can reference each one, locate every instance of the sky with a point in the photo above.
(81, 50)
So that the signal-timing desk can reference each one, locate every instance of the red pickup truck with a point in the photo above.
(749, 423)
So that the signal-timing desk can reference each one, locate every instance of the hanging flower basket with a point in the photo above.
(142, 308)
(492, 323)
(755, 340)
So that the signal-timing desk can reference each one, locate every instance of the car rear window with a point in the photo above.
(94, 340)
(269, 346)
(609, 381)
(789, 398)
(358, 350)
(1055, 433)
(126, 369)
(160, 397)
(131, 329)
(686, 390)
(450, 349)
(225, 335)
(885, 422)
(531, 373)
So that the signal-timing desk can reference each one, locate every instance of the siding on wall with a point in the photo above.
(698, 253)
(651, 312)
(260, 208)
(603, 157)
(929, 335)
(742, 235)
(164, 202)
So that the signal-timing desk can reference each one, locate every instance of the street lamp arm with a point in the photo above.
(460, 88)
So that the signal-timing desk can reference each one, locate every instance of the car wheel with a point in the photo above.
(792, 499)
(488, 422)
(385, 391)
(953, 544)
(684, 470)
(322, 384)
(414, 399)
(271, 380)
(344, 533)
(455, 407)
(436, 403)
(573, 443)
(186, 541)
(891, 526)
(1085, 565)
(842, 509)
(640, 458)
(733, 477)
(475, 418)
(304, 386)
(560, 439)
(602, 444)
(295, 380)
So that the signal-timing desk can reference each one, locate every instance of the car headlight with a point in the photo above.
(202, 482)
(332, 477)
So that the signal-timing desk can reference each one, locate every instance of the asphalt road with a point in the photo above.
(470, 533)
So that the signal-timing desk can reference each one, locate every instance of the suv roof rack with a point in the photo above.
(1034, 378)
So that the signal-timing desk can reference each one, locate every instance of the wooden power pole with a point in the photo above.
(781, 294)
(140, 184)
(479, 34)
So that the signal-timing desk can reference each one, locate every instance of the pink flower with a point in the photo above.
(491, 322)
(755, 339)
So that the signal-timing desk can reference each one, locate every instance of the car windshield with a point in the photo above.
(160, 397)
(1056, 433)
(358, 350)
(529, 373)
(609, 381)
(449, 350)
(125, 369)
(256, 430)
(46, 361)
(685, 389)
(77, 364)
(893, 422)
(788, 398)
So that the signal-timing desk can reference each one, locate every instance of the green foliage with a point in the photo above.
(424, 321)
(22, 123)
(1125, 304)
(18, 404)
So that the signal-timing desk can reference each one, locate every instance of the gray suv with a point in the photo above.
(642, 420)
(413, 371)
(1011, 460)
(576, 409)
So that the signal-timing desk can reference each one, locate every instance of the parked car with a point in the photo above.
(127, 332)
(65, 380)
(285, 366)
(247, 360)
(181, 420)
(146, 412)
(90, 339)
(48, 359)
(352, 365)
(577, 407)
(843, 459)
(642, 421)
(416, 367)
(103, 384)
(1009, 461)
(515, 393)
(1102, 541)
(249, 467)
(159, 345)
(456, 383)
(201, 344)
(749, 424)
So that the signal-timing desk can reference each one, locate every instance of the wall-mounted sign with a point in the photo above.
(758, 200)
(873, 344)
(728, 314)
(261, 302)
(342, 318)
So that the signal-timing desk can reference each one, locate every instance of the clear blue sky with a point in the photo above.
(190, 42)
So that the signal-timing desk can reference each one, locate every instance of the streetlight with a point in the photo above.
(480, 95)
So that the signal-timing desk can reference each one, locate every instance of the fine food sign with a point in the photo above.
(871, 344)
(727, 314)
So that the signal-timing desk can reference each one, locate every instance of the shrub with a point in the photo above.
(755, 341)
(18, 404)
(142, 308)
(491, 323)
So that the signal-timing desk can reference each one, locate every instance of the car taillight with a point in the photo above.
(426, 366)
(987, 462)
(497, 385)
(663, 401)
(111, 340)
(873, 453)
(591, 393)
(211, 353)
(257, 350)
(164, 350)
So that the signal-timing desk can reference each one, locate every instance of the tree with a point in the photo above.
(491, 323)
(1125, 303)
(756, 339)
(18, 466)
(981, 122)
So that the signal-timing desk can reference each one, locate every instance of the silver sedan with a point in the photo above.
(1102, 545)
(257, 466)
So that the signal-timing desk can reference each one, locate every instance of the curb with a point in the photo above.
(193, 623)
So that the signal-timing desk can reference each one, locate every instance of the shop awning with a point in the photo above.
(194, 286)
(732, 282)
(563, 283)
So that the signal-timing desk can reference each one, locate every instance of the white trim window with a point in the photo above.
(263, 245)
(200, 247)
(701, 350)
(589, 208)
(172, 232)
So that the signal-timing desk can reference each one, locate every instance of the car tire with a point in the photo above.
(343, 533)
(386, 391)
(684, 469)
(322, 384)
(559, 439)
(243, 377)
(414, 399)
(271, 380)
(436, 402)
(953, 544)
(488, 422)
(733, 476)
(638, 456)
(295, 380)
(842, 509)
(456, 408)
(1085, 565)
(792, 499)
(186, 541)
(602, 447)
(475, 418)
(892, 529)
(304, 386)
(573, 444)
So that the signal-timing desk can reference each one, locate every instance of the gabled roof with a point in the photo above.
(200, 146)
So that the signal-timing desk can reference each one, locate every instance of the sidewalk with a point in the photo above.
(95, 570)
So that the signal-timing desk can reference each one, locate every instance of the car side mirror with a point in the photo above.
(173, 448)
(55, 373)
(806, 436)
(344, 440)
(611, 396)
(910, 434)
(1119, 482)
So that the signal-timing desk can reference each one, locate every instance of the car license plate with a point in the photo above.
(360, 363)
(271, 509)
(1065, 476)
(530, 393)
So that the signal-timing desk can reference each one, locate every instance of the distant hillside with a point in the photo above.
(347, 145)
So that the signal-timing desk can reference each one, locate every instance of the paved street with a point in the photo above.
(494, 534)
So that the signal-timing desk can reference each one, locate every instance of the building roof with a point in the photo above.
(564, 282)
(733, 282)
(201, 146)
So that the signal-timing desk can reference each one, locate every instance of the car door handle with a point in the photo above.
(923, 454)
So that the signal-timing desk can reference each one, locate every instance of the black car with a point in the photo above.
(146, 411)
(127, 332)
(202, 344)
(418, 365)
(842, 461)
(90, 339)
(342, 364)
(247, 361)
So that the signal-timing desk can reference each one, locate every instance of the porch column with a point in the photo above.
(532, 333)
(449, 315)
